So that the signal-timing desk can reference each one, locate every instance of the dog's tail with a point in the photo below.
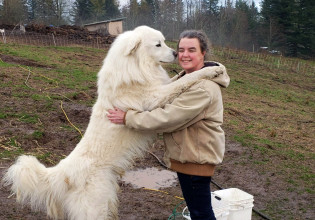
(31, 182)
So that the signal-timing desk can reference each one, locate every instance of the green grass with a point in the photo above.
(39, 97)
(27, 118)
(79, 79)
(33, 52)
(37, 134)
(4, 64)
(244, 138)
(12, 148)
(3, 115)
(44, 156)
(11, 154)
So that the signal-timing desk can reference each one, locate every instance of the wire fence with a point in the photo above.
(269, 60)
(38, 39)
(51, 39)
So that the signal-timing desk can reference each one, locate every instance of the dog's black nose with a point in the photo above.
(174, 53)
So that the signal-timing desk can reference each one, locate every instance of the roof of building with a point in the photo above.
(107, 21)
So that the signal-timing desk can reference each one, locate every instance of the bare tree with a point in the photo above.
(13, 12)
(49, 12)
(58, 8)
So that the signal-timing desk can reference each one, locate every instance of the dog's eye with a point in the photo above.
(158, 45)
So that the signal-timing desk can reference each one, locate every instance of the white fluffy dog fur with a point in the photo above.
(84, 184)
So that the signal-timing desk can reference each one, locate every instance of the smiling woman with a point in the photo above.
(191, 124)
(190, 56)
(193, 48)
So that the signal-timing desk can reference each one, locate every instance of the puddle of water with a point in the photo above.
(151, 178)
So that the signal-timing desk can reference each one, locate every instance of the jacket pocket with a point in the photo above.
(173, 149)
(177, 141)
(188, 144)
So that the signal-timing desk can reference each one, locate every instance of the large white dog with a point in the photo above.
(84, 184)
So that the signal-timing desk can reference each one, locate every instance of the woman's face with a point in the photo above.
(190, 56)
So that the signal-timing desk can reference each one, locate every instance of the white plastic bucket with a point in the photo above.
(240, 203)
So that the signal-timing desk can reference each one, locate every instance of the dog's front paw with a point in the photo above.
(212, 72)
(218, 71)
(206, 73)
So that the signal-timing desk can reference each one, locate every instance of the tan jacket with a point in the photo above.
(191, 127)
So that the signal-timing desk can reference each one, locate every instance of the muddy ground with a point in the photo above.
(143, 204)
(58, 141)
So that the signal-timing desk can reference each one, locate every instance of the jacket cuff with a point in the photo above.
(124, 119)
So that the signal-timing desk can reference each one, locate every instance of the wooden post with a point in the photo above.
(2, 31)
(298, 67)
(279, 62)
(53, 39)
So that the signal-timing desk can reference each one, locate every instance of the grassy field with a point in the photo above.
(268, 111)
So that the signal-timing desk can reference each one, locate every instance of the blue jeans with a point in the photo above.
(197, 194)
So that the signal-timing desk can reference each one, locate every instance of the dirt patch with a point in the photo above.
(21, 61)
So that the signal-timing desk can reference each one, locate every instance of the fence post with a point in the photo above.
(279, 62)
(53, 39)
(2, 31)
(298, 67)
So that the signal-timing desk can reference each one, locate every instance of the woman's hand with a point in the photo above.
(116, 116)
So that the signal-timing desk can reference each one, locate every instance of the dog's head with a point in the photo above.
(149, 43)
(135, 57)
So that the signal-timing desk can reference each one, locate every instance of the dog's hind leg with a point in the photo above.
(54, 208)
(96, 200)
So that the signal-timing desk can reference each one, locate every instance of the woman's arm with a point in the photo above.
(180, 112)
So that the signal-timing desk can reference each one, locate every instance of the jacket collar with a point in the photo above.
(223, 79)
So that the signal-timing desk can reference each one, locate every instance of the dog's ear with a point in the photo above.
(132, 45)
